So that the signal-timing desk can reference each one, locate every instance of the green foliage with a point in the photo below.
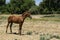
(49, 36)
(34, 10)
(19, 6)
(2, 5)
(45, 37)
(48, 6)
(29, 33)
(16, 6)
(2, 2)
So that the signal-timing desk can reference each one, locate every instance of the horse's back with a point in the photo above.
(15, 19)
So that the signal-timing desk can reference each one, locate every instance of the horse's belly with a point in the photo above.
(17, 22)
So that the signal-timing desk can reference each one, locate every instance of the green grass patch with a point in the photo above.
(3, 17)
(48, 37)
(29, 33)
(44, 19)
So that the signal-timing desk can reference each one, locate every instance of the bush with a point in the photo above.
(29, 33)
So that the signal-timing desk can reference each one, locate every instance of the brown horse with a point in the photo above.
(17, 19)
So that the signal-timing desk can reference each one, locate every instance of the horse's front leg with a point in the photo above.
(20, 28)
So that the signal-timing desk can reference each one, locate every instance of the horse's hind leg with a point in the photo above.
(11, 27)
(7, 27)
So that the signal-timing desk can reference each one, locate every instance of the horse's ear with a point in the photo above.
(22, 14)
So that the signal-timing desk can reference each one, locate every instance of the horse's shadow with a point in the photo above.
(16, 33)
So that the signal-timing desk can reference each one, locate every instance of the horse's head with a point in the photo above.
(27, 14)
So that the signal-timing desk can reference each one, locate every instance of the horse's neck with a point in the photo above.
(24, 17)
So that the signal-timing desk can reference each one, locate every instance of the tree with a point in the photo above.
(2, 6)
(34, 10)
(2, 2)
(50, 5)
(19, 6)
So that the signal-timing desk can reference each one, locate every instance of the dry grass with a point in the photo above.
(32, 29)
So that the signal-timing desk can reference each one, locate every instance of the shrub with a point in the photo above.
(29, 33)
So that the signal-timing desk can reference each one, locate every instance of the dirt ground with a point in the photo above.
(36, 28)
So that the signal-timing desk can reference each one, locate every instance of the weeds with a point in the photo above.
(3, 17)
(48, 37)
(29, 33)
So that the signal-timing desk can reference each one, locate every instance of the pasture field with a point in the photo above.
(40, 27)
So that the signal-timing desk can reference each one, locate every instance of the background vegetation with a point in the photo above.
(19, 6)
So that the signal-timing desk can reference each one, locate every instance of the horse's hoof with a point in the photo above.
(20, 34)
(10, 33)
(6, 32)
